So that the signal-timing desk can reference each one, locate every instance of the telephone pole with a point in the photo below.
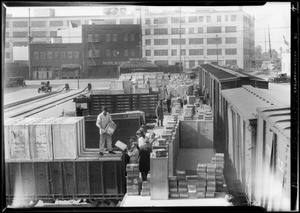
(180, 63)
(29, 42)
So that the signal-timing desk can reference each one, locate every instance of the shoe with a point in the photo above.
(101, 154)
(111, 152)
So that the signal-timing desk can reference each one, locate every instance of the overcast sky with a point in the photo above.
(275, 14)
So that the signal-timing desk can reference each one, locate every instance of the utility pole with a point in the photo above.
(29, 42)
(217, 50)
(141, 34)
(265, 42)
(270, 44)
(180, 63)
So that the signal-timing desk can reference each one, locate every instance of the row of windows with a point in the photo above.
(176, 41)
(217, 29)
(111, 37)
(115, 53)
(192, 19)
(56, 54)
(22, 24)
(230, 51)
(192, 63)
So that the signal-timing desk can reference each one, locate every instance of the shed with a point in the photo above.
(137, 66)
(240, 128)
(273, 159)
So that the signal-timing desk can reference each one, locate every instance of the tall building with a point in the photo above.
(206, 35)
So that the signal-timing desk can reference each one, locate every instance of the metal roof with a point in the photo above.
(218, 73)
(246, 102)
(137, 65)
(279, 118)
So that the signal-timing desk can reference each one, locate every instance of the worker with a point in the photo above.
(169, 76)
(144, 161)
(184, 98)
(103, 120)
(169, 98)
(164, 93)
(148, 83)
(133, 153)
(159, 113)
(79, 110)
(140, 138)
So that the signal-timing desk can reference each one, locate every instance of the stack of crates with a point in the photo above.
(133, 179)
(173, 187)
(201, 186)
(187, 113)
(218, 159)
(211, 180)
(192, 186)
(182, 184)
(145, 188)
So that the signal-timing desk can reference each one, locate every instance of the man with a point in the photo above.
(169, 98)
(159, 113)
(148, 83)
(103, 120)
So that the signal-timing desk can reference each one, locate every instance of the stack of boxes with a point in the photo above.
(191, 100)
(192, 182)
(211, 180)
(173, 187)
(145, 188)
(201, 187)
(218, 159)
(182, 184)
(133, 179)
(187, 113)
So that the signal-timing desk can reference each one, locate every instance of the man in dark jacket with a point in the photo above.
(159, 113)
(144, 163)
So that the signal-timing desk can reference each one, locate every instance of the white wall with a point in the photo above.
(286, 63)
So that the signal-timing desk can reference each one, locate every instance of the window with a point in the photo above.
(148, 42)
(56, 54)
(214, 52)
(126, 21)
(49, 55)
(201, 19)
(191, 30)
(177, 30)
(36, 55)
(125, 37)
(196, 52)
(161, 31)
(90, 37)
(219, 19)
(43, 55)
(232, 51)
(176, 19)
(20, 24)
(97, 37)
(200, 62)
(226, 18)
(160, 41)
(7, 55)
(174, 52)
(231, 62)
(214, 40)
(53, 34)
(192, 63)
(196, 41)
(208, 18)
(6, 34)
(230, 29)
(56, 23)
(233, 17)
(160, 52)
(160, 20)
(214, 29)
(20, 44)
(131, 37)
(161, 62)
(107, 37)
(147, 21)
(39, 34)
(176, 41)
(6, 44)
(230, 40)
(200, 29)
(38, 24)
(20, 34)
(70, 54)
(76, 54)
(63, 54)
(126, 53)
(132, 53)
(183, 52)
(148, 52)
(193, 19)
(148, 31)
(114, 37)
(115, 53)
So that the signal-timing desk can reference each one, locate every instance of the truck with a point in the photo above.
(280, 78)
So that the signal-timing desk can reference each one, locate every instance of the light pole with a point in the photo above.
(217, 50)
(180, 63)
(29, 42)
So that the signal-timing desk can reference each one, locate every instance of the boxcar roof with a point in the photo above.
(218, 73)
(246, 101)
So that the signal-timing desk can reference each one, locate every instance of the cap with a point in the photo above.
(104, 108)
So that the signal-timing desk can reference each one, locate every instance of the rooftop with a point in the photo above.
(217, 72)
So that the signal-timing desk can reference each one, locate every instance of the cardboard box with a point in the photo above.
(174, 195)
(110, 128)
(183, 194)
(132, 167)
(121, 145)
(210, 194)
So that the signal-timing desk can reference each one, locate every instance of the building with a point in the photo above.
(56, 61)
(106, 47)
(206, 35)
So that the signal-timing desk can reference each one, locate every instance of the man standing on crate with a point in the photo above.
(103, 120)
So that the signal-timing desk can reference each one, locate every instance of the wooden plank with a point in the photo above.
(95, 178)
(42, 178)
(81, 177)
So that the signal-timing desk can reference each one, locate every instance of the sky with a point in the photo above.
(276, 15)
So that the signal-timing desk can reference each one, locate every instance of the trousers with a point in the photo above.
(105, 138)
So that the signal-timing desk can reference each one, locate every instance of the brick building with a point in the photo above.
(55, 61)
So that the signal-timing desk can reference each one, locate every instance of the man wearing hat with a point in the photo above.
(103, 120)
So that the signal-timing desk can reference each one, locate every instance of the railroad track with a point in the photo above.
(33, 107)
